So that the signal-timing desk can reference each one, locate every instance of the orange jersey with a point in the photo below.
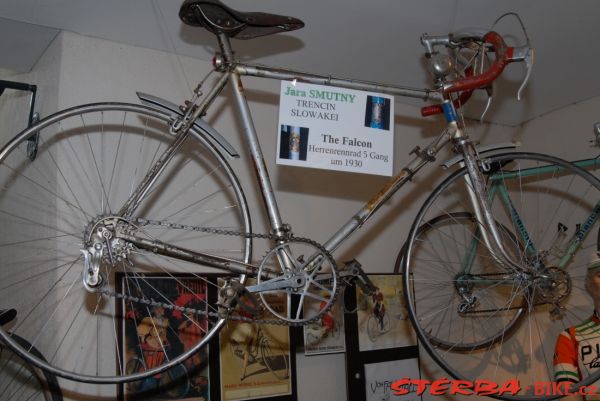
(577, 352)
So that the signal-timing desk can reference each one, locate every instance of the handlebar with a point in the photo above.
(504, 55)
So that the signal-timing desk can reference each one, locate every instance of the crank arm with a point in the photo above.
(278, 284)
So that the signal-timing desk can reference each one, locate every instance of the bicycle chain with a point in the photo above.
(228, 315)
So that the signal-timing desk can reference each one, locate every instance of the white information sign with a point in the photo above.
(335, 129)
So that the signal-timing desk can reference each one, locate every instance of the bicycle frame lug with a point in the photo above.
(283, 233)
(219, 62)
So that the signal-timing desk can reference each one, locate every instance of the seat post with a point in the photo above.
(225, 47)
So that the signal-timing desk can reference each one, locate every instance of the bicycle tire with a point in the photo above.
(553, 297)
(20, 380)
(273, 361)
(89, 160)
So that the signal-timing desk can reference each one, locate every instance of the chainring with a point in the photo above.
(297, 281)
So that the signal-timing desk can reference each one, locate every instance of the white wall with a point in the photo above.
(78, 69)
(565, 133)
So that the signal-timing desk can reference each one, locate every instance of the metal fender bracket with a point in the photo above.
(199, 124)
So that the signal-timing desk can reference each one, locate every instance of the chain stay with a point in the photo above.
(227, 315)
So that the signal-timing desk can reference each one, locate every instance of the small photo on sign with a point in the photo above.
(293, 143)
(377, 112)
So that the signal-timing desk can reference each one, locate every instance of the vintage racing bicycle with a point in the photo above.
(109, 189)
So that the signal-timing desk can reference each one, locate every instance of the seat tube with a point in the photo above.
(256, 154)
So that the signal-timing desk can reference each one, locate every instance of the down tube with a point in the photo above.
(422, 158)
(370, 208)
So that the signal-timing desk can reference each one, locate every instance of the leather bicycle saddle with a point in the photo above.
(218, 18)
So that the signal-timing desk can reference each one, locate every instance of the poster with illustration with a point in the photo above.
(382, 316)
(156, 330)
(255, 358)
(327, 335)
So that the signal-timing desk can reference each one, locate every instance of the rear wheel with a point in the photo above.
(64, 208)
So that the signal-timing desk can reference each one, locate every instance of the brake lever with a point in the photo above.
(521, 53)
(524, 53)
(490, 94)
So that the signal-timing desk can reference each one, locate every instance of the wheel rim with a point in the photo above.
(89, 160)
(20, 380)
(524, 347)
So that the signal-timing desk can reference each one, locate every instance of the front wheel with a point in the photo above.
(484, 320)
(67, 207)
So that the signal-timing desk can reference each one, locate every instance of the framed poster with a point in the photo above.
(326, 336)
(257, 361)
(380, 375)
(382, 318)
(381, 344)
(151, 333)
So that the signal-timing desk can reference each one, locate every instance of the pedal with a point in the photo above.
(228, 296)
(235, 297)
(355, 274)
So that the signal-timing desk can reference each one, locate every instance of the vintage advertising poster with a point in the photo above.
(255, 358)
(379, 377)
(335, 129)
(152, 333)
(327, 335)
(382, 317)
